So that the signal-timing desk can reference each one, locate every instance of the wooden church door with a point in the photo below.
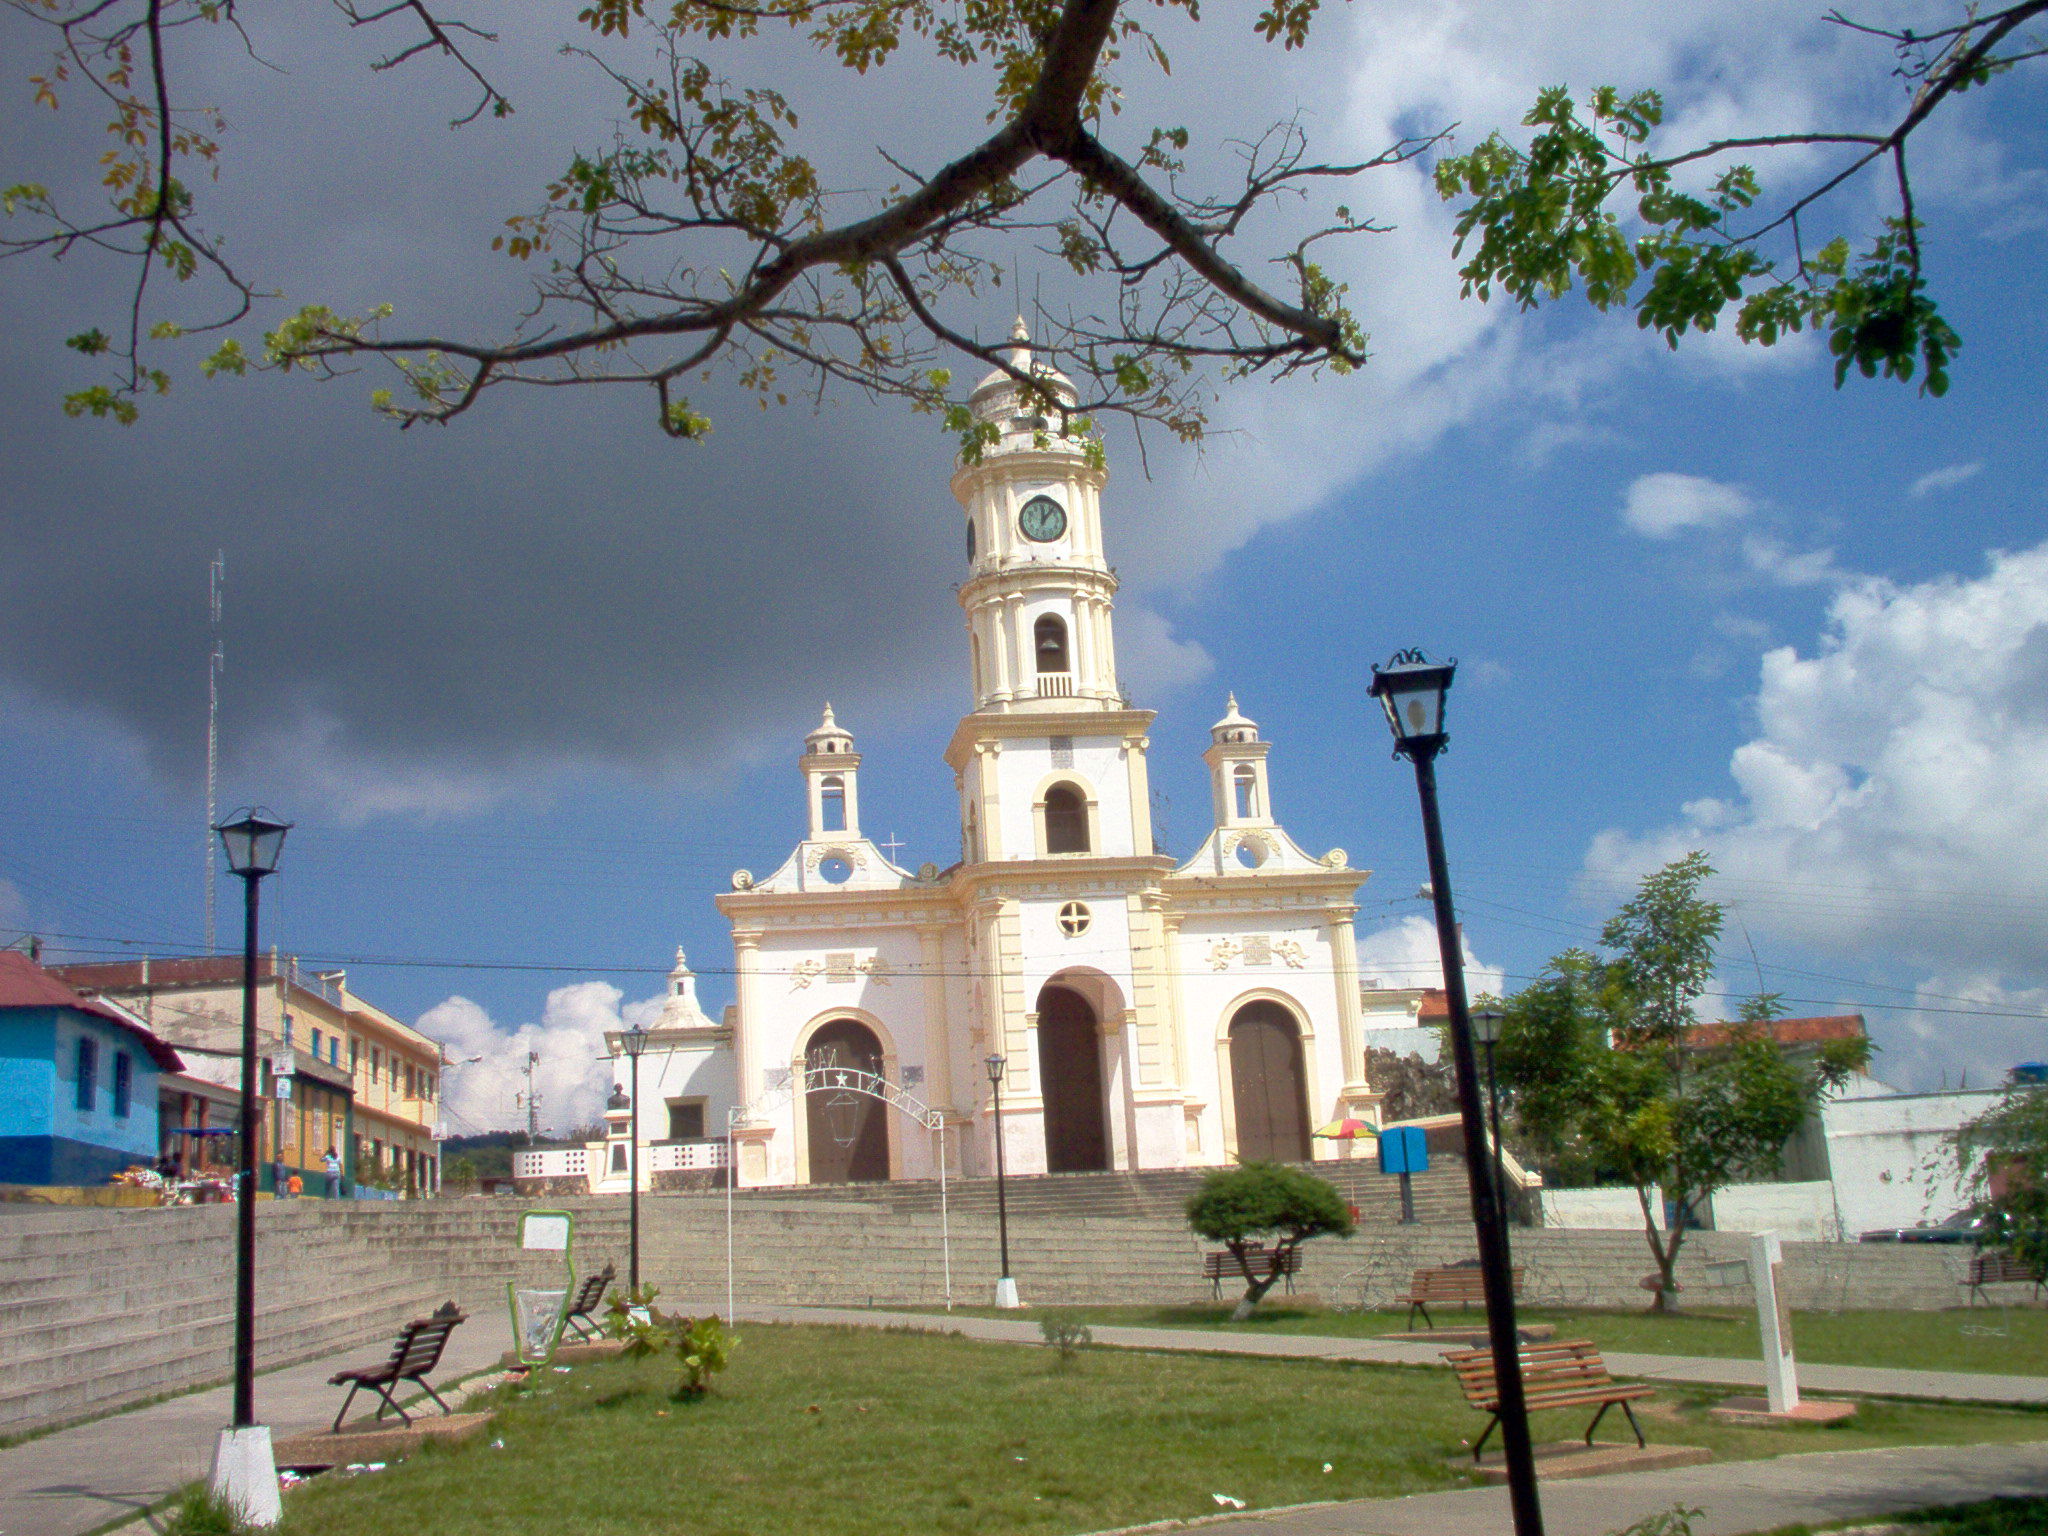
(1268, 1087)
(849, 1136)
(1070, 1072)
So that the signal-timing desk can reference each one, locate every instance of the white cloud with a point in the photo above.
(1945, 479)
(1151, 660)
(572, 1071)
(1663, 505)
(1892, 808)
(1789, 567)
(1405, 954)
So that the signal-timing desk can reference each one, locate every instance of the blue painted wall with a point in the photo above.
(46, 1135)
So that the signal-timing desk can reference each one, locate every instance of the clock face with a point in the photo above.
(1042, 519)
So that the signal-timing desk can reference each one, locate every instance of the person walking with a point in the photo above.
(332, 1162)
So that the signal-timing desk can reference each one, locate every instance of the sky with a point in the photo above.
(531, 686)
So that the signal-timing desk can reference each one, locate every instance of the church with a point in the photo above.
(1147, 1013)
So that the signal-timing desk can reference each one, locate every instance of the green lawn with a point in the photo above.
(820, 1431)
(1956, 1340)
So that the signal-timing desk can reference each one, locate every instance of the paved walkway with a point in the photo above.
(1736, 1496)
(1875, 1381)
(79, 1479)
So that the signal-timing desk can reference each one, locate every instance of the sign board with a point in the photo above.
(1404, 1149)
(546, 1230)
(284, 1064)
(281, 1086)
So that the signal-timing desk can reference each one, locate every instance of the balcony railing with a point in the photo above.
(1055, 685)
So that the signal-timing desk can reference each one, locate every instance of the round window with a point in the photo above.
(1075, 918)
(1251, 852)
(837, 871)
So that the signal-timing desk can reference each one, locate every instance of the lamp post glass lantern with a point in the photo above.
(1006, 1286)
(634, 1043)
(244, 1472)
(1411, 689)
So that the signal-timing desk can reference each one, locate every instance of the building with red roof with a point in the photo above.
(78, 1081)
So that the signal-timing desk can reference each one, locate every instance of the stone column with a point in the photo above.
(746, 947)
(938, 1038)
(1350, 1036)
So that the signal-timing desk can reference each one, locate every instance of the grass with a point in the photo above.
(1947, 1341)
(833, 1432)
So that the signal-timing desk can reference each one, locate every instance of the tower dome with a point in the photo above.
(1234, 726)
(829, 737)
(998, 397)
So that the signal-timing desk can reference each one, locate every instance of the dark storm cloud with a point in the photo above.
(545, 583)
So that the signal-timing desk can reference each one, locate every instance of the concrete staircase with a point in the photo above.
(103, 1308)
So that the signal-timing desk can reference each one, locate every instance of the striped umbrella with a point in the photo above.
(1344, 1130)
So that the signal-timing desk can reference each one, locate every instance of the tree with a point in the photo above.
(2004, 1155)
(704, 236)
(1414, 1088)
(1241, 1207)
(1610, 1073)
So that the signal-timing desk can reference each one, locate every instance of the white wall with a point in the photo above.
(1804, 1211)
(1891, 1156)
(1614, 1210)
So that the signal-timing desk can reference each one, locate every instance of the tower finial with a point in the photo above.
(1020, 331)
(828, 720)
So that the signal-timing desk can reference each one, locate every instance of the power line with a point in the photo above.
(549, 967)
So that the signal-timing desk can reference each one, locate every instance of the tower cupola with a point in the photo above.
(1237, 770)
(831, 779)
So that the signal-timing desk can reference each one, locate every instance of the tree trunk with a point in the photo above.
(1254, 1288)
(1665, 1298)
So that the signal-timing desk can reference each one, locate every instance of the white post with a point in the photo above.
(945, 1214)
(1774, 1322)
(732, 1172)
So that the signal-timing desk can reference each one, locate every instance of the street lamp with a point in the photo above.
(1006, 1288)
(634, 1043)
(1411, 689)
(1487, 1024)
(244, 1472)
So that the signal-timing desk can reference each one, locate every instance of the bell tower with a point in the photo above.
(831, 770)
(1039, 591)
(1051, 761)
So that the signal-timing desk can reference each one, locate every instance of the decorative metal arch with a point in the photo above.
(828, 1076)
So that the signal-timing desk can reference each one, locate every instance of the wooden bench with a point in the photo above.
(583, 1305)
(1566, 1374)
(1462, 1285)
(1262, 1261)
(1999, 1269)
(417, 1352)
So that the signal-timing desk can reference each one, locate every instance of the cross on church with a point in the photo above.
(892, 843)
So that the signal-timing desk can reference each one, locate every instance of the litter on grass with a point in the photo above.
(1227, 1501)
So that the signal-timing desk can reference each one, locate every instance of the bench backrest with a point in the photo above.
(591, 1292)
(419, 1347)
(1465, 1283)
(1559, 1365)
(1997, 1268)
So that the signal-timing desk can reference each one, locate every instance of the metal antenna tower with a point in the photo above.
(532, 1101)
(216, 573)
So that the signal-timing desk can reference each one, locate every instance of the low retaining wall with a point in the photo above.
(99, 1308)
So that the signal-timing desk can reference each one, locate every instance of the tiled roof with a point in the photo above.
(1813, 1031)
(178, 971)
(24, 984)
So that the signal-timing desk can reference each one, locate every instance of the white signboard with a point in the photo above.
(544, 1230)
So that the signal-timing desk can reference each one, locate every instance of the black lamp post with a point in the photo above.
(252, 842)
(1486, 1027)
(1006, 1287)
(634, 1043)
(1412, 689)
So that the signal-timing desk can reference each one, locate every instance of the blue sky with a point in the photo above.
(533, 686)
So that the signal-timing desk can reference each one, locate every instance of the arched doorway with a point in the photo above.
(848, 1131)
(1070, 1073)
(1267, 1084)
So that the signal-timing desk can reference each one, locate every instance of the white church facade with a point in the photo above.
(1149, 1013)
